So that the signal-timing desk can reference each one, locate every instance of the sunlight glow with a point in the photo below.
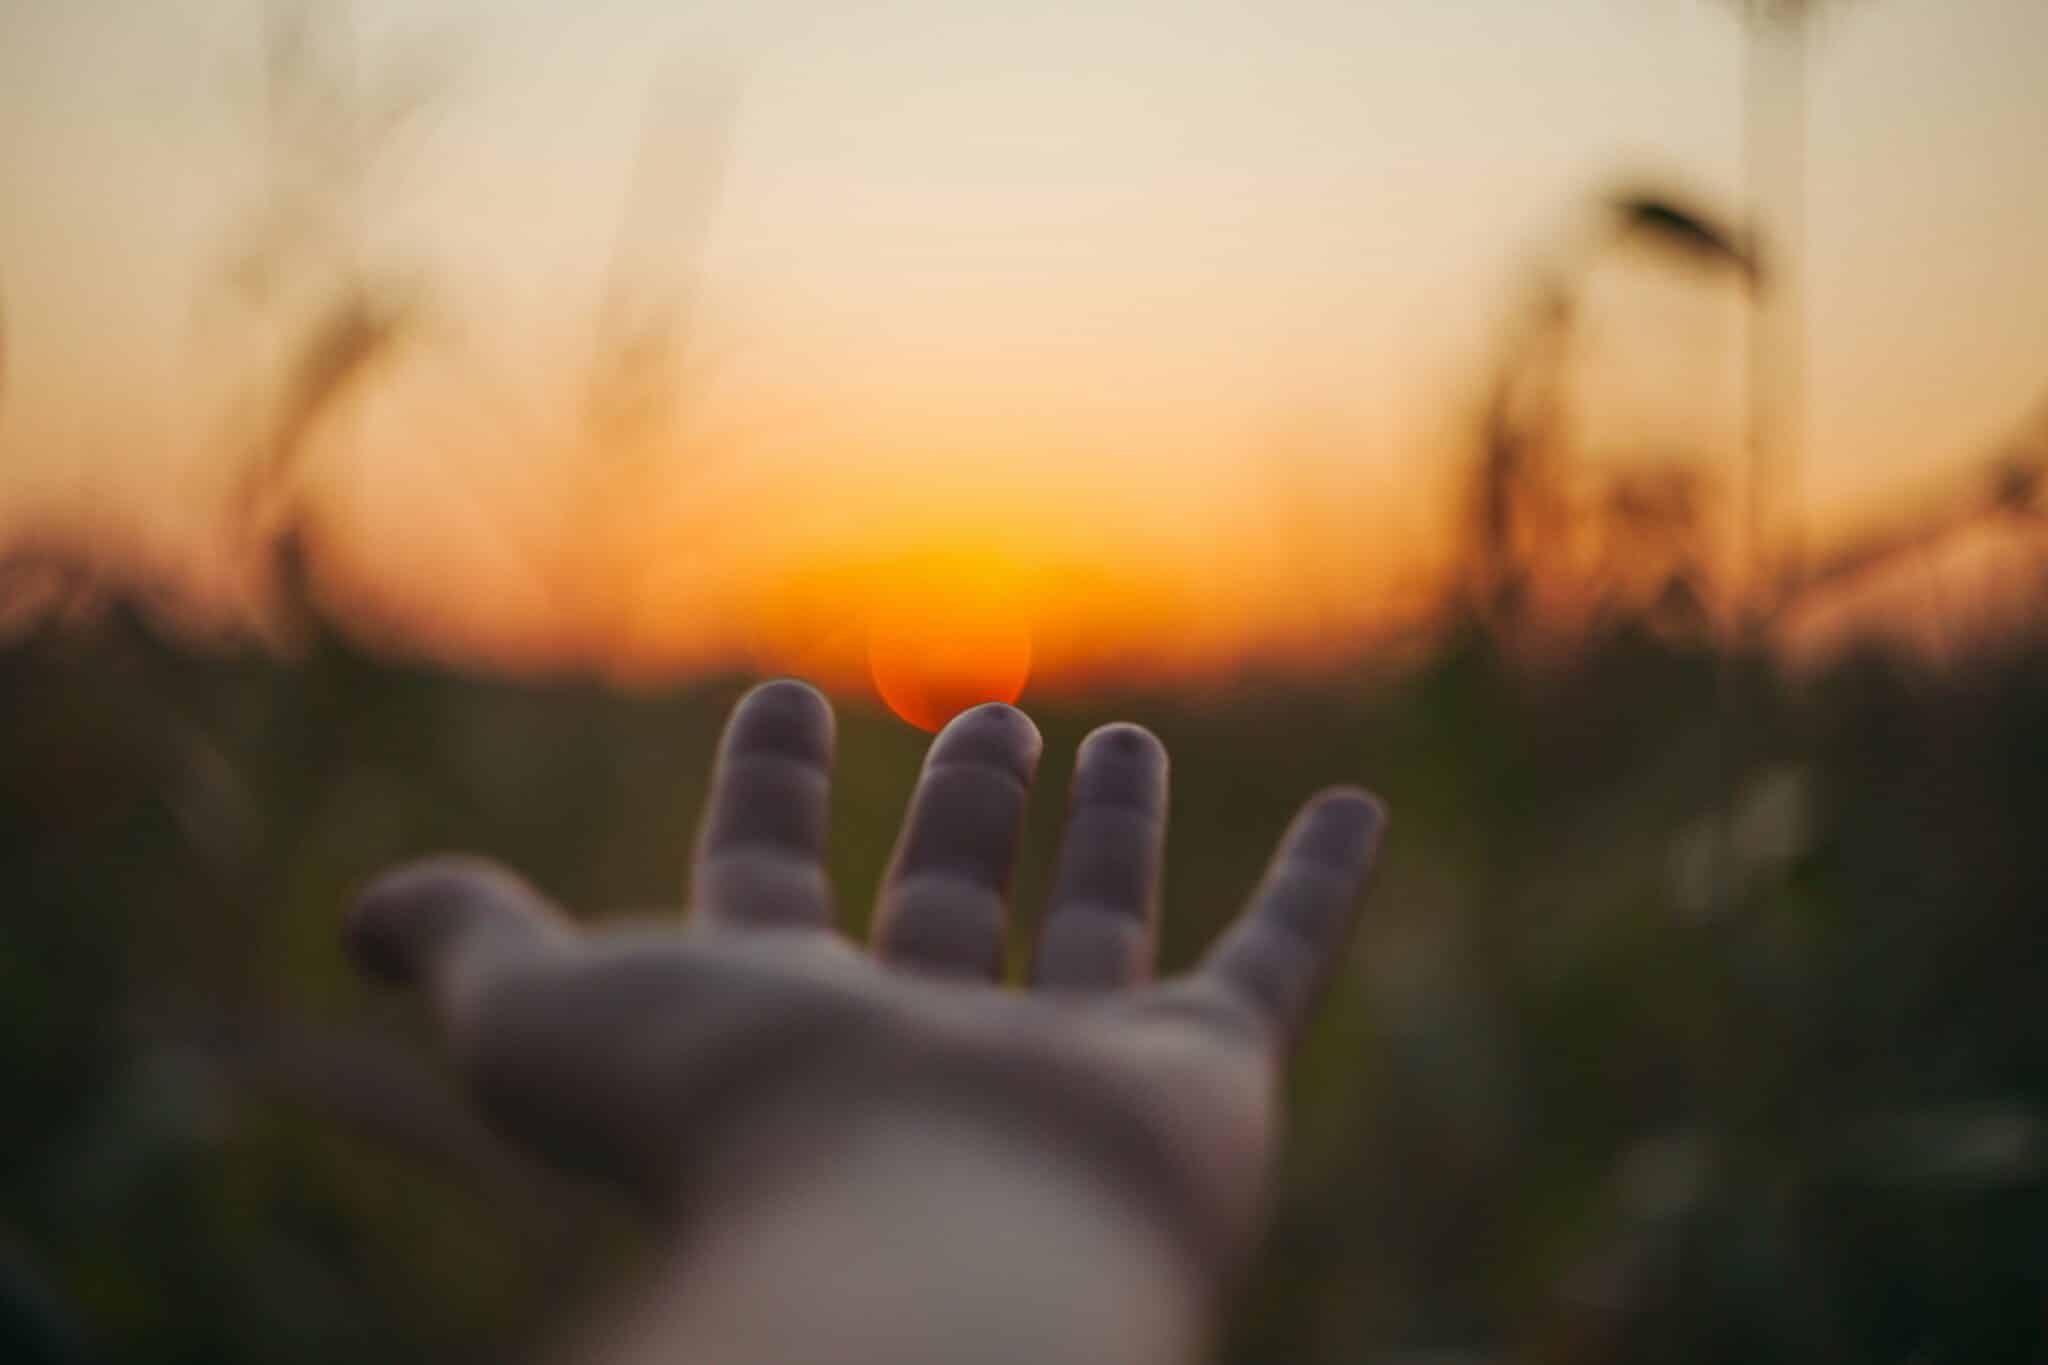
(934, 653)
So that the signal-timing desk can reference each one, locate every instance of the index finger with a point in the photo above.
(1278, 953)
(760, 859)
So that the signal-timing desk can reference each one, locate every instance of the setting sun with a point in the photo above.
(933, 655)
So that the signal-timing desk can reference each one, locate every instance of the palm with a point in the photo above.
(684, 1062)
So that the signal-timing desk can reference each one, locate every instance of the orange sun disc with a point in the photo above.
(932, 659)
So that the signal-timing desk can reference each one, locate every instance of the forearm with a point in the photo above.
(920, 1241)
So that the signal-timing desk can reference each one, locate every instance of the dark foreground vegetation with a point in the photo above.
(1682, 1028)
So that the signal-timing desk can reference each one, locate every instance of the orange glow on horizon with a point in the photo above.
(936, 601)
(1170, 349)
(935, 624)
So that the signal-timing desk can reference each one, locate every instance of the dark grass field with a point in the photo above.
(1662, 1041)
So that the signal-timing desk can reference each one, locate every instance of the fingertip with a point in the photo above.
(379, 930)
(1124, 737)
(402, 922)
(1354, 800)
(1339, 826)
(994, 733)
(784, 716)
(788, 690)
(1121, 764)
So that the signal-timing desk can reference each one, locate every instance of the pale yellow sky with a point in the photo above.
(1104, 259)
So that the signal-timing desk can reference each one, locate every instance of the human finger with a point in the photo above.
(449, 924)
(944, 903)
(1102, 921)
(1278, 953)
(760, 856)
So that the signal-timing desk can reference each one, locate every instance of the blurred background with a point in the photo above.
(1613, 429)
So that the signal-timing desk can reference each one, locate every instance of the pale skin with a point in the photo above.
(882, 1154)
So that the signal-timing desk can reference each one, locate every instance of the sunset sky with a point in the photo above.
(1158, 322)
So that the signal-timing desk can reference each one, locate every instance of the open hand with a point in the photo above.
(691, 1062)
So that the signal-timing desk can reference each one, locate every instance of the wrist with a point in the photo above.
(1100, 1129)
(913, 1234)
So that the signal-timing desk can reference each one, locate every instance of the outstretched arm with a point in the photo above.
(916, 1242)
(880, 1156)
